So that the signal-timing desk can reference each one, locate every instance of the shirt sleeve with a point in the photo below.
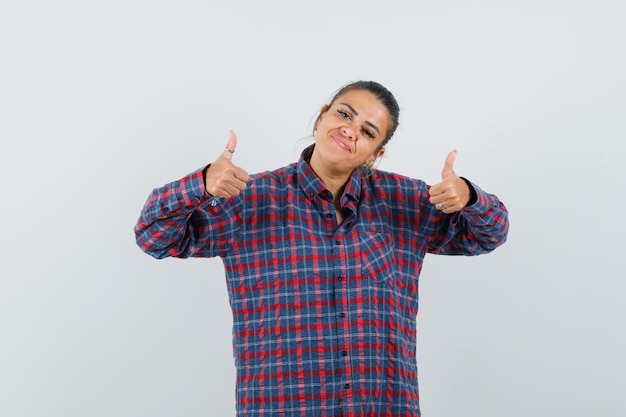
(182, 220)
(478, 228)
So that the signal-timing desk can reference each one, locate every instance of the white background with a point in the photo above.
(102, 101)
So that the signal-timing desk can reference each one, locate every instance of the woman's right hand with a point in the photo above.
(222, 177)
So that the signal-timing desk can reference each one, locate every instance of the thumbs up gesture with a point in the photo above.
(452, 193)
(223, 178)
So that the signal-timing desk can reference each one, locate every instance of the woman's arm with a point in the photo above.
(181, 219)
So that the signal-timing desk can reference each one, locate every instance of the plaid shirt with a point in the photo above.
(324, 316)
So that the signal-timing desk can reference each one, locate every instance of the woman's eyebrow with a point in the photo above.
(356, 113)
(373, 126)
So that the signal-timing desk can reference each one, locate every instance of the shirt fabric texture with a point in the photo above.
(324, 315)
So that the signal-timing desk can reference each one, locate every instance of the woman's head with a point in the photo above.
(352, 130)
(384, 96)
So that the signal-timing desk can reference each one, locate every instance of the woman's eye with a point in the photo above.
(343, 114)
(368, 133)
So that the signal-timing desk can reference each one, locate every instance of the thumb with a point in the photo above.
(448, 166)
(230, 146)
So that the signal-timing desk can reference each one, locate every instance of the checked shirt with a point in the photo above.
(324, 315)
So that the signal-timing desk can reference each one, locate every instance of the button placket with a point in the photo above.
(342, 352)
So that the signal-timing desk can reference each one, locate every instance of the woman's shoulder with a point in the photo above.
(395, 180)
(275, 176)
(395, 191)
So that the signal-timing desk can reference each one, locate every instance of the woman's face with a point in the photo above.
(350, 132)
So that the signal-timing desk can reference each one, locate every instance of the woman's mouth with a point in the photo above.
(341, 142)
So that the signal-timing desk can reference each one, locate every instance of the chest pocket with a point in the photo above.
(377, 256)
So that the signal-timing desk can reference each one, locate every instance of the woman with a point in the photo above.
(322, 260)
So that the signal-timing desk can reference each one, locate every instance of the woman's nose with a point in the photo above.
(348, 132)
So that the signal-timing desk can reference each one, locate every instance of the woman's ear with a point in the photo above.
(380, 152)
(323, 111)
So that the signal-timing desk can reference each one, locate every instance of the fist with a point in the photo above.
(223, 178)
(452, 193)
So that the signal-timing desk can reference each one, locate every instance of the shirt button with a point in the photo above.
(344, 353)
(342, 315)
(337, 242)
(340, 279)
(329, 215)
(347, 386)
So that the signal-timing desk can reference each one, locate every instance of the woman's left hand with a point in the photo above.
(452, 193)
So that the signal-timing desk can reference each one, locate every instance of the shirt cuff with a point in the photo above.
(213, 200)
(472, 190)
(480, 203)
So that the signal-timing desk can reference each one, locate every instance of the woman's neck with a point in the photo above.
(335, 182)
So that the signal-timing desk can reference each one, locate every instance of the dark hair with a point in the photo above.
(382, 94)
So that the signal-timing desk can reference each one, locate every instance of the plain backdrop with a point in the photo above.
(102, 101)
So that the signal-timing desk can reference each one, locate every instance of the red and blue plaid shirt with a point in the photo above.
(324, 315)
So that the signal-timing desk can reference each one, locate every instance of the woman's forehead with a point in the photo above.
(363, 101)
(363, 96)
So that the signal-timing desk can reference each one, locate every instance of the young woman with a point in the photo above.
(322, 259)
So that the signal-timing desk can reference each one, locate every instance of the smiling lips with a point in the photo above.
(339, 140)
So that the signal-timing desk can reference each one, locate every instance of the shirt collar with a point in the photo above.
(313, 186)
